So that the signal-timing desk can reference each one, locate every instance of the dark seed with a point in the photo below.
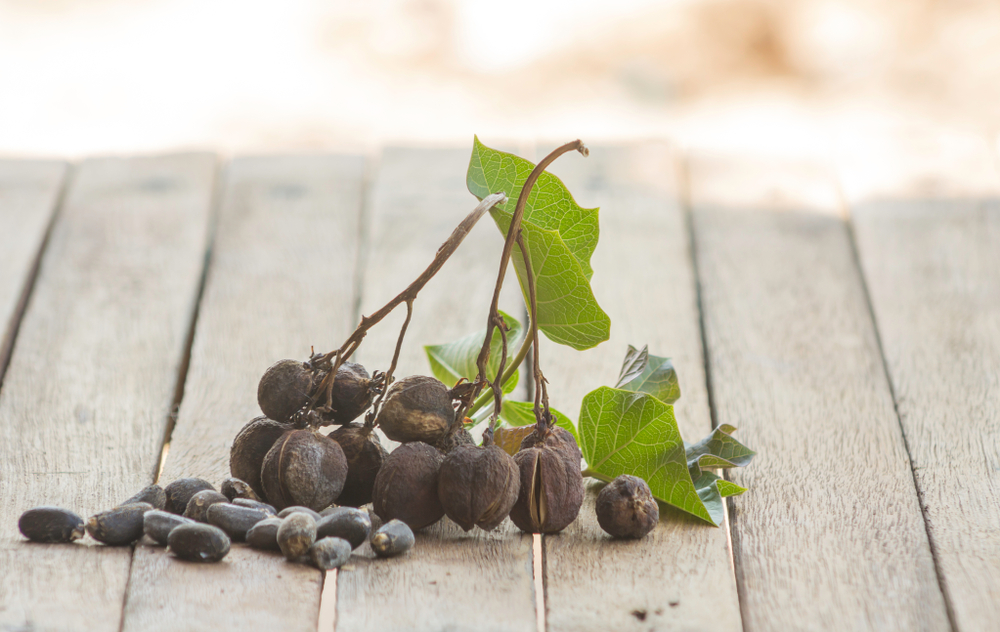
(352, 525)
(332, 509)
(255, 504)
(51, 524)
(198, 542)
(197, 507)
(179, 493)
(376, 521)
(264, 534)
(119, 526)
(287, 511)
(329, 553)
(234, 488)
(393, 538)
(235, 520)
(153, 494)
(296, 534)
(158, 524)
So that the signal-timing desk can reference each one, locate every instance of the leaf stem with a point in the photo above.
(514, 234)
(508, 373)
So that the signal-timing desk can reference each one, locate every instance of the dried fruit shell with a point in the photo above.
(478, 486)
(406, 487)
(303, 468)
(551, 491)
(416, 408)
(626, 508)
(251, 445)
(365, 456)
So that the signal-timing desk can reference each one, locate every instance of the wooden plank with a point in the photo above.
(92, 377)
(29, 191)
(830, 535)
(928, 238)
(281, 279)
(451, 579)
(679, 577)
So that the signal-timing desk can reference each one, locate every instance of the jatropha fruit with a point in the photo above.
(305, 468)
(626, 508)
(365, 456)
(289, 386)
(478, 485)
(551, 480)
(417, 408)
(406, 487)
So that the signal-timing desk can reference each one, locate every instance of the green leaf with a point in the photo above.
(711, 491)
(455, 360)
(560, 237)
(644, 373)
(717, 450)
(622, 432)
(516, 414)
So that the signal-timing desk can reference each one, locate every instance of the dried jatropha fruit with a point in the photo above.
(157, 525)
(285, 388)
(330, 552)
(288, 386)
(304, 468)
(255, 504)
(416, 408)
(264, 534)
(234, 520)
(197, 507)
(455, 438)
(406, 487)
(250, 447)
(51, 524)
(119, 526)
(198, 542)
(551, 481)
(478, 486)
(179, 493)
(152, 494)
(350, 524)
(626, 508)
(392, 539)
(365, 456)
(233, 488)
(296, 534)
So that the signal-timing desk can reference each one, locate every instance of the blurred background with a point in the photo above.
(100, 76)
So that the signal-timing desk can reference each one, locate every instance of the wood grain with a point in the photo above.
(680, 576)
(93, 373)
(281, 279)
(450, 580)
(830, 535)
(29, 190)
(928, 238)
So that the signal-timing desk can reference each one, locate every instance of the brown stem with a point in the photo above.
(514, 234)
(395, 359)
(367, 322)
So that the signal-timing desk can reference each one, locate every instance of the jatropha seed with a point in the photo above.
(158, 524)
(51, 524)
(197, 507)
(153, 494)
(119, 526)
(198, 542)
(233, 519)
(392, 539)
(352, 525)
(296, 534)
(329, 553)
(264, 535)
(180, 492)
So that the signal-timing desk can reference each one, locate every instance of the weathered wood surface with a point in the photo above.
(280, 278)
(830, 536)
(679, 577)
(92, 377)
(927, 224)
(451, 580)
(29, 191)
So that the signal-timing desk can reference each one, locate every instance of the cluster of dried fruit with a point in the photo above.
(199, 524)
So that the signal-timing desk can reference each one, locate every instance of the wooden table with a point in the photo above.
(845, 316)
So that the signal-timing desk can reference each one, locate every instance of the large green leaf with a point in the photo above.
(622, 432)
(523, 413)
(644, 373)
(560, 237)
(717, 450)
(454, 360)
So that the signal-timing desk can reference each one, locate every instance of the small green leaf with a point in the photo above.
(717, 450)
(523, 413)
(622, 432)
(711, 491)
(560, 237)
(454, 360)
(644, 373)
